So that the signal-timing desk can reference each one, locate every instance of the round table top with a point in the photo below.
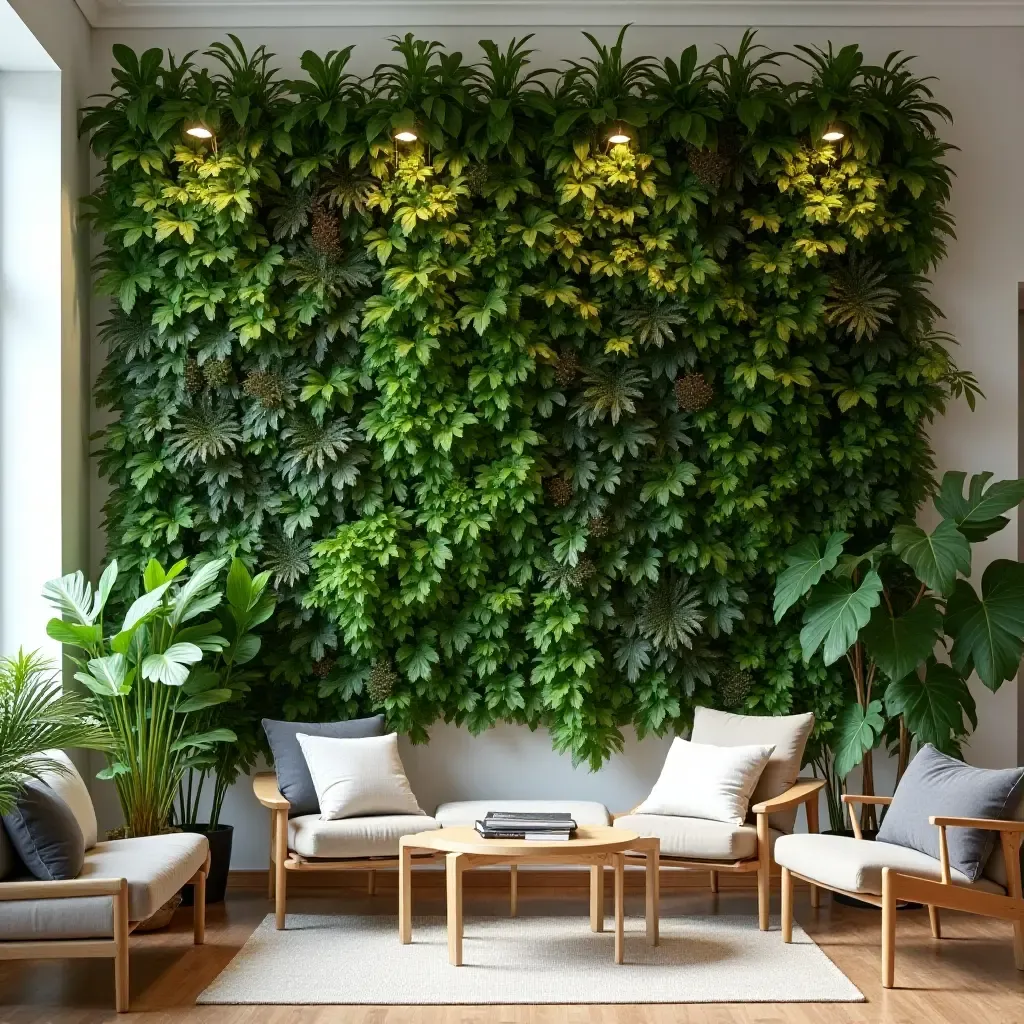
(588, 839)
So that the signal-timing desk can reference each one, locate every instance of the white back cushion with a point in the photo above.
(704, 781)
(788, 734)
(356, 778)
(71, 788)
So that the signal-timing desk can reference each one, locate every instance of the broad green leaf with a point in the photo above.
(200, 679)
(112, 771)
(190, 600)
(111, 673)
(988, 632)
(936, 557)
(239, 585)
(980, 513)
(898, 645)
(143, 607)
(247, 649)
(836, 614)
(72, 596)
(857, 731)
(934, 707)
(73, 633)
(104, 587)
(206, 699)
(805, 567)
(171, 667)
(204, 739)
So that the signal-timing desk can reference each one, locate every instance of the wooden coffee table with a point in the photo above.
(596, 846)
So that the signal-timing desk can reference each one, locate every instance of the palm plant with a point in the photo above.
(36, 715)
(142, 680)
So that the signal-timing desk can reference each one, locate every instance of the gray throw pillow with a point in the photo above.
(935, 784)
(45, 834)
(293, 778)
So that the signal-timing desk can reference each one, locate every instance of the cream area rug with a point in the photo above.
(359, 960)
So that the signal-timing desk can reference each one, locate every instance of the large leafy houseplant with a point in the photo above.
(37, 715)
(889, 609)
(142, 678)
(521, 421)
(248, 605)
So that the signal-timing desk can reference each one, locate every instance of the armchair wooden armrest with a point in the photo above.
(264, 786)
(995, 824)
(866, 798)
(800, 792)
(60, 890)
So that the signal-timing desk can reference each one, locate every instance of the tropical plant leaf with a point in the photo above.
(805, 566)
(72, 596)
(898, 645)
(934, 708)
(836, 614)
(988, 631)
(171, 666)
(980, 514)
(936, 557)
(203, 740)
(206, 699)
(857, 731)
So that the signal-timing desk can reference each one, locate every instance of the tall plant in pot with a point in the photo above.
(143, 680)
(248, 606)
(910, 627)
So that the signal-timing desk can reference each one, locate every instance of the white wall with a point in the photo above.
(981, 78)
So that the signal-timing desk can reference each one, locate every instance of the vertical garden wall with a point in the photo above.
(520, 417)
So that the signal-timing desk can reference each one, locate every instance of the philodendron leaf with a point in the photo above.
(836, 615)
(934, 707)
(805, 565)
(857, 732)
(73, 633)
(204, 739)
(988, 632)
(980, 513)
(898, 645)
(206, 699)
(171, 667)
(936, 557)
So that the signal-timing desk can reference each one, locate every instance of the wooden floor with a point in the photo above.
(967, 978)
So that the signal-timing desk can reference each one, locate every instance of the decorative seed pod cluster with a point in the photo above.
(693, 392)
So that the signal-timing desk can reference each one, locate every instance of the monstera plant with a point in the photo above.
(910, 626)
(143, 680)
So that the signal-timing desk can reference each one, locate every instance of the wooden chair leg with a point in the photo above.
(619, 865)
(764, 872)
(787, 905)
(371, 882)
(513, 890)
(199, 903)
(812, 826)
(121, 941)
(271, 872)
(935, 922)
(280, 855)
(888, 929)
(1011, 854)
(713, 880)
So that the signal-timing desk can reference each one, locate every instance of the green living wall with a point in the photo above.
(521, 419)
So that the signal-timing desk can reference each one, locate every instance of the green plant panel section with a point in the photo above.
(521, 421)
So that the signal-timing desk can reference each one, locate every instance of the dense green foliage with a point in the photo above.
(521, 421)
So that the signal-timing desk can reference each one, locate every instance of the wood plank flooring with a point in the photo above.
(967, 978)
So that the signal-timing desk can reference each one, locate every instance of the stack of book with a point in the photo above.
(538, 826)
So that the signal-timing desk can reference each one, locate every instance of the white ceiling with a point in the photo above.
(19, 49)
(535, 13)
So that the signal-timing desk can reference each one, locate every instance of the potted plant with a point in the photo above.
(248, 606)
(888, 609)
(143, 680)
(37, 715)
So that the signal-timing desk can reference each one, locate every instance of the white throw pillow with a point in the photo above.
(71, 788)
(704, 781)
(356, 778)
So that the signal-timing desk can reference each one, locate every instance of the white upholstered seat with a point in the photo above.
(696, 838)
(347, 838)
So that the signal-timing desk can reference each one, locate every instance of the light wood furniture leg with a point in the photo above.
(597, 897)
(764, 872)
(888, 930)
(513, 890)
(404, 893)
(619, 862)
(934, 922)
(121, 941)
(812, 826)
(271, 872)
(199, 904)
(280, 855)
(371, 882)
(714, 881)
(1011, 854)
(787, 905)
(652, 891)
(454, 866)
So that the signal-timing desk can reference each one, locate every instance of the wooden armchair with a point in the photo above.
(883, 874)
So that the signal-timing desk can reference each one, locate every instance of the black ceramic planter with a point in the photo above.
(220, 861)
(851, 901)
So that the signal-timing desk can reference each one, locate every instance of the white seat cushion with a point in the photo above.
(76, 917)
(156, 867)
(463, 813)
(696, 838)
(855, 865)
(347, 838)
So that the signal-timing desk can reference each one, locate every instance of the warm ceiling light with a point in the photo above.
(405, 136)
(834, 132)
(198, 131)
